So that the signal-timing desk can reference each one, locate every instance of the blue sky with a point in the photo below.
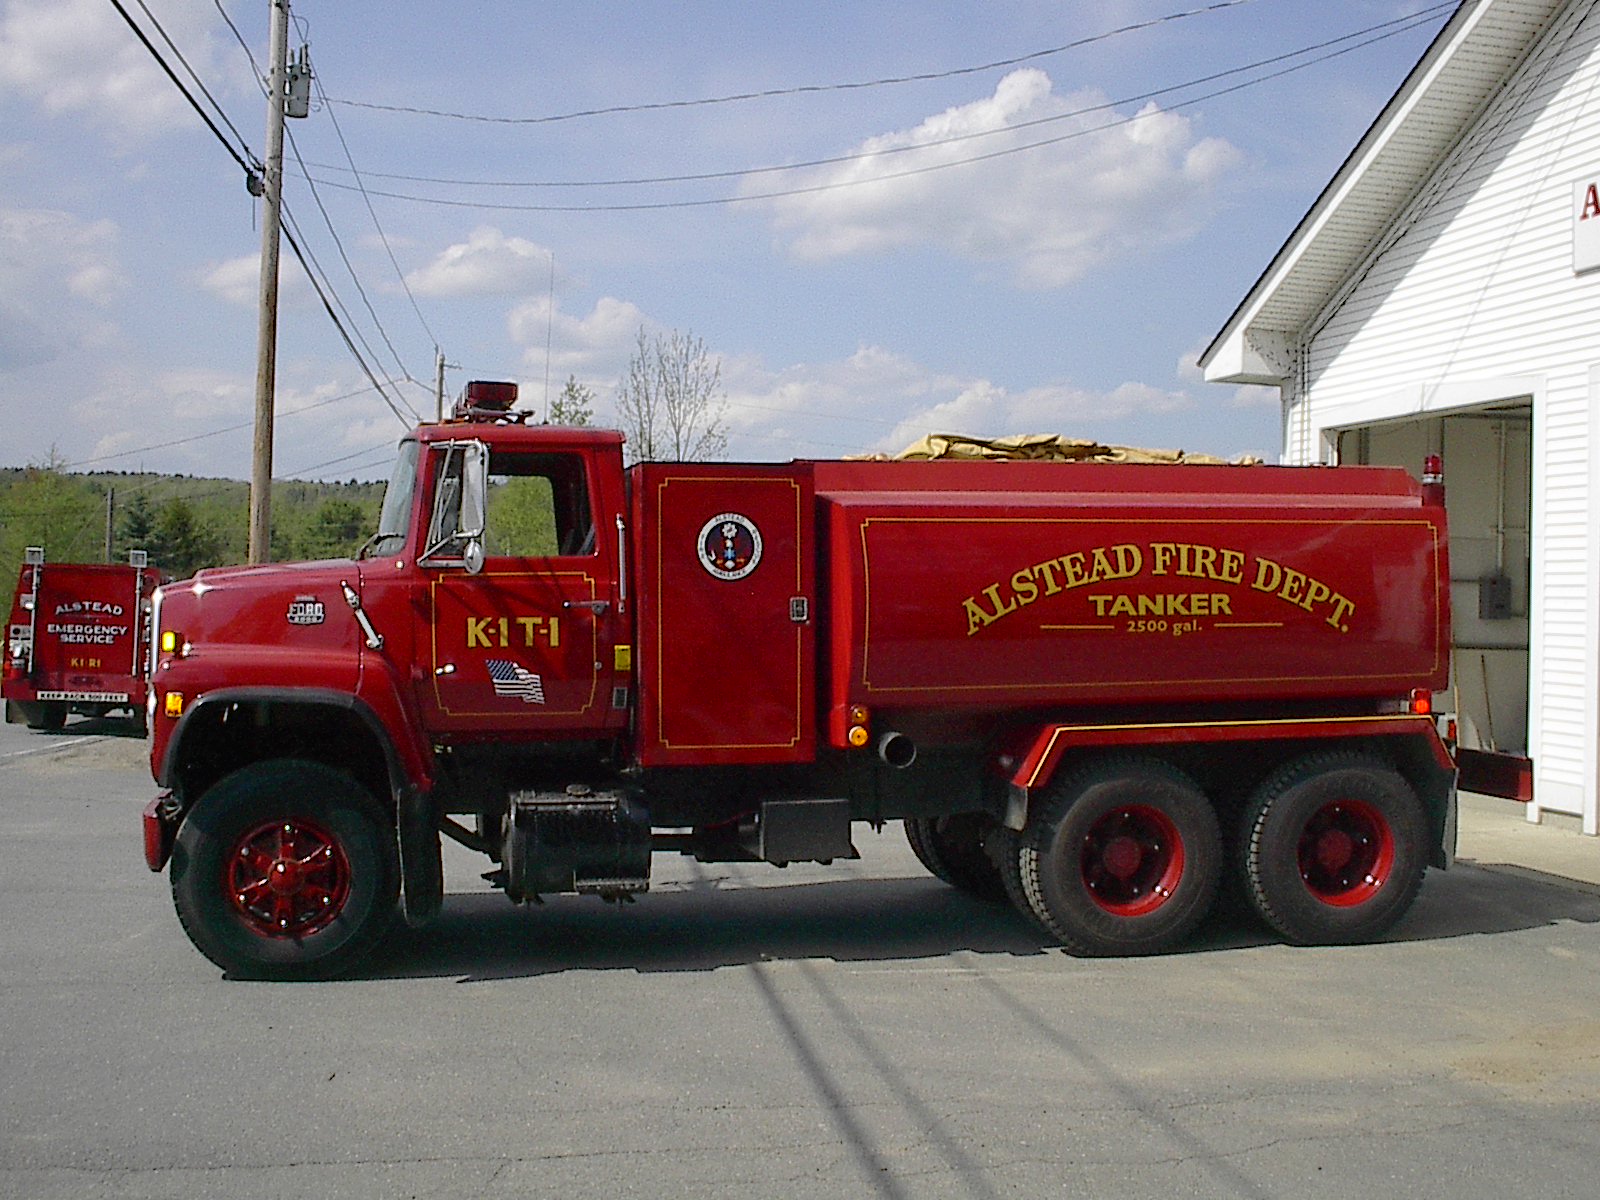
(897, 290)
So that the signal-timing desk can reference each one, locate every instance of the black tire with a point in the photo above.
(1123, 858)
(1006, 848)
(1336, 849)
(315, 829)
(49, 717)
(955, 849)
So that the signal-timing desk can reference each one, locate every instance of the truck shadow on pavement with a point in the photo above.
(481, 936)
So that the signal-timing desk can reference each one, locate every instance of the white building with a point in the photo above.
(1443, 296)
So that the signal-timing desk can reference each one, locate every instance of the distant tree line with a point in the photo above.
(670, 404)
(182, 522)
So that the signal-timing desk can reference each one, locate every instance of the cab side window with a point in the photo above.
(538, 507)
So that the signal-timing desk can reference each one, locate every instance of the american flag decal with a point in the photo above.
(509, 679)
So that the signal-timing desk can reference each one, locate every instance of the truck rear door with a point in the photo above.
(725, 561)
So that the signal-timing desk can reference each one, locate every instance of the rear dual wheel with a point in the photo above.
(956, 849)
(285, 870)
(1334, 849)
(1124, 857)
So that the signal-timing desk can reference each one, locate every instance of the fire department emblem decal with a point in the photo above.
(730, 546)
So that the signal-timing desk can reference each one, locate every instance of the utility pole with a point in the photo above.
(439, 365)
(438, 387)
(111, 524)
(267, 324)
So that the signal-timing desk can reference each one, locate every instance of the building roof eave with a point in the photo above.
(1441, 98)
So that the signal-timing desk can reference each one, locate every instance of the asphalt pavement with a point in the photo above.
(860, 1030)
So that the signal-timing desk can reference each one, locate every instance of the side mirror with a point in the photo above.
(474, 492)
(460, 499)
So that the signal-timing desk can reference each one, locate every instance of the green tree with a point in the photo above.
(182, 544)
(670, 401)
(137, 527)
(575, 404)
(337, 529)
(521, 517)
(47, 507)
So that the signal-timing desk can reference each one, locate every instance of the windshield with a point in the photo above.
(395, 520)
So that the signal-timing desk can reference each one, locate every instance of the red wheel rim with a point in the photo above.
(1132, 860)
(287, 878)
(1346, 853)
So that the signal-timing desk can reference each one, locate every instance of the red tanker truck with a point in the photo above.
(78, 640)
(1103, 692)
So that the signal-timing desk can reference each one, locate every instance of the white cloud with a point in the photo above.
(488, 263)
(47, 259)
(877, 400)
(595, 347)
(80, 56)
(1107, 186)
(237, 281)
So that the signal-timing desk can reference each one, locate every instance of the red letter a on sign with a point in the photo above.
(1591, 203)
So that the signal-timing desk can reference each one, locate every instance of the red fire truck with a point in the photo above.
(1103, 692)
(78, 640)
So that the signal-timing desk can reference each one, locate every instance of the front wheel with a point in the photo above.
(1125, 857)
(285, 870)
(1335, 849)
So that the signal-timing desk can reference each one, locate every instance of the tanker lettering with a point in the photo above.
(1162, 604)
(1164, 560)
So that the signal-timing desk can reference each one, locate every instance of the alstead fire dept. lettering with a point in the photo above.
(1160, 560)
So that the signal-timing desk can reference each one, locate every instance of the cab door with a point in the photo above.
(521, 641)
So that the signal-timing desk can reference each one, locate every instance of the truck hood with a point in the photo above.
(281, 624)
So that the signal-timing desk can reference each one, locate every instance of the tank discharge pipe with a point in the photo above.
(897, 750)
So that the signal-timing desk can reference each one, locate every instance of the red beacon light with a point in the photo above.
(1433, 480)
(485, 400)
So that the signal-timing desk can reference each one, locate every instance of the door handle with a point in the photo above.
(595, 606)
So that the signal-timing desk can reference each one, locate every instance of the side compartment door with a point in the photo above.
(727, 637)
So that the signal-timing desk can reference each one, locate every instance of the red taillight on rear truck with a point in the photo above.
(1421, 702)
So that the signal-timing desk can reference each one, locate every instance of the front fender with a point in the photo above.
(405, 761)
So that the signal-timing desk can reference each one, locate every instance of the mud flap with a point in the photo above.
(1507, 776)
(421, 861)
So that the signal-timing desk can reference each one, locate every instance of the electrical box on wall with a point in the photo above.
(1494, 598)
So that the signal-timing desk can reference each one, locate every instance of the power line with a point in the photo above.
(884, 177)
(349, 266)
(194, 75)
(808, 89)
(251, 168)
(372, 212)
(327, 220)
(1409, 22)
(197, 437)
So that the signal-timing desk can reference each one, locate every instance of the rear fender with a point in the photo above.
(1034, 764)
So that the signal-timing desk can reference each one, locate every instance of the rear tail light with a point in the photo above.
(1421, 702)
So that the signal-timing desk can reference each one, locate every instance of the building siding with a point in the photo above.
(1474, 284)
